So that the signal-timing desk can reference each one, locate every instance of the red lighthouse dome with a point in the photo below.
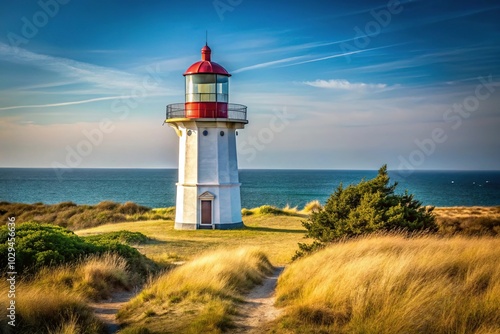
(206, 65)
(207, 88)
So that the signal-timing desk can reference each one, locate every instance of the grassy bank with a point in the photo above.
(56, 299)
(197, 297)
(390, 284)
(72, 216)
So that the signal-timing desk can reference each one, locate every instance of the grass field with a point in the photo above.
(276, 236)
(392, 284)
(461, 275)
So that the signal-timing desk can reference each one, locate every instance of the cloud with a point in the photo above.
(339, 55)
(344, 85)
(267, 64)
(61, 104)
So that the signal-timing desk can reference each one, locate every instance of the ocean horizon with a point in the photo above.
(155, 187)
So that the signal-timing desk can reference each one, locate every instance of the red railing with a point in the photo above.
(236, 112)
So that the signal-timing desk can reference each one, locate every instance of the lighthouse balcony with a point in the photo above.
(207, 110)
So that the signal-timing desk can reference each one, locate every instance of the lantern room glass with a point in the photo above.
(207, 88)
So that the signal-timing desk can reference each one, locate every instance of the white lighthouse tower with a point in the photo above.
(208, 190)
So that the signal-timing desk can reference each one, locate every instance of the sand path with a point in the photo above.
(258, 308)
(106, 310)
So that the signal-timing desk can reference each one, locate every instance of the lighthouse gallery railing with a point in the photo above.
(234, 111)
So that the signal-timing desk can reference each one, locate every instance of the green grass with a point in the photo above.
(277, 236)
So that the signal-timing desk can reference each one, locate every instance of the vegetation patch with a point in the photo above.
(393, 284)
(270, 210)
(72, 216)
(61, 272)
(199, 296)
(472, 221)
(55, 300)
(45, 245)
(364, 208)
(123, 236)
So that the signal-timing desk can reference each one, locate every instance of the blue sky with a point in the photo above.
(328, 84)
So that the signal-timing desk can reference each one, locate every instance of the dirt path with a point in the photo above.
(258, 308)
(107, 309)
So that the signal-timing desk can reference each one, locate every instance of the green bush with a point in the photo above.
(364, 208)
(40, 245)
(126, 237)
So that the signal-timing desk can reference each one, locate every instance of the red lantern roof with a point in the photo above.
(205, 65)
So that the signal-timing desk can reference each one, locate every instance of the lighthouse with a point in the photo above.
(208, 188)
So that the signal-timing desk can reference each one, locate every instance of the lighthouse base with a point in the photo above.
(208, 206)
(230, 226)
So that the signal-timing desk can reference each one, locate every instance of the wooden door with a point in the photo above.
(206, 212)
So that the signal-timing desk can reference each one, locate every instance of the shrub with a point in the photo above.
(364, 208)
(126, 237)
(40, 245)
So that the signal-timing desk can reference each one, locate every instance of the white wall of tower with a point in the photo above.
(208, 163)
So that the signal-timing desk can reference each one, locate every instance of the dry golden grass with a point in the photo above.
(391, 284)
(475, 220)
(312, 206)
(56, 299)
(49, 309)
(199, 296)
(96, 278)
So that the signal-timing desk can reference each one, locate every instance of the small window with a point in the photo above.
(222, 133)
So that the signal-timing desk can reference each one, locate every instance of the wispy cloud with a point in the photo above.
(83, 72)
(343, 85)
(267, 64)
(61, 104)
(338, 55)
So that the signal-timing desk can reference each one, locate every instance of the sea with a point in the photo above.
(156, 188)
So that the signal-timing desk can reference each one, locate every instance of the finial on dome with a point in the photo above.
(206, 53)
